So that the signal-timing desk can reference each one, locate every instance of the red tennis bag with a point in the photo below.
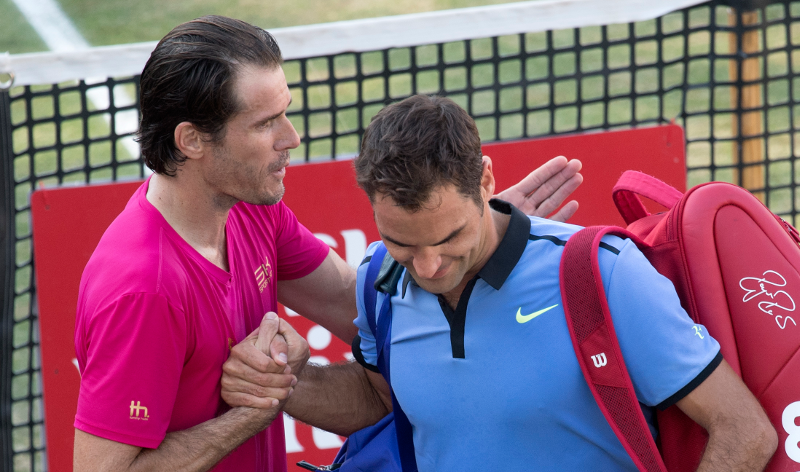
(736, 268)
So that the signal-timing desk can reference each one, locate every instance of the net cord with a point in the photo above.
(371, 34)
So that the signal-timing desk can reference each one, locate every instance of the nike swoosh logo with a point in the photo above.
(525, 318)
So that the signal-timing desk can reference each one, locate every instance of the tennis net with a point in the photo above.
(726, 71)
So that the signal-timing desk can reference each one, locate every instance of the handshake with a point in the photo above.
(262, 370)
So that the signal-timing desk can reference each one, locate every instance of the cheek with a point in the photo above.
(402, 256)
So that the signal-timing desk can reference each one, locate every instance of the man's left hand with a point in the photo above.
(546, 188)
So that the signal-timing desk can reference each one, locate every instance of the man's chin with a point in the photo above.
(436, 286)
(268, 198)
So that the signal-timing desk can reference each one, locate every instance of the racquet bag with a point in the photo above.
(736, 268)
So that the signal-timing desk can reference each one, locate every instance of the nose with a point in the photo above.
(289, 139)
(426, 263)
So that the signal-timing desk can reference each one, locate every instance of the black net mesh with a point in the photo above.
(728, 76)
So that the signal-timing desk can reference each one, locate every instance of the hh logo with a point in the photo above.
(138, 408)
(600, 360)
(773, 302)
(263, 275)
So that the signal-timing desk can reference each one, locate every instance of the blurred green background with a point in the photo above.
(104, 22)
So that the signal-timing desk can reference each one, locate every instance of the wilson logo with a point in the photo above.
(263, 275)
(775, 303)
(138, 408)
(600, 360)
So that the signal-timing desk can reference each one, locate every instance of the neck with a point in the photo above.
(194, 212)
(496, 224)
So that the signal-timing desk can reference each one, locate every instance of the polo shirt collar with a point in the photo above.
(508, 252)
(505, 257)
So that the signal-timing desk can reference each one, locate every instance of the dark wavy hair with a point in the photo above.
(417, 145)
(189, 77)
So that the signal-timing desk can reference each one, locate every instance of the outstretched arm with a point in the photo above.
(546, 188)
(741, 437)
(341, 398)
(326, 296)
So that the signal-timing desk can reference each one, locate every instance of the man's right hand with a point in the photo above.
(261, 370)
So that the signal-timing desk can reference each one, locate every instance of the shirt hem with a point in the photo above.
(688, 388)
(359, 356)
(313, 264)
(138, 441)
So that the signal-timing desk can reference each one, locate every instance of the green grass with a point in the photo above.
(105, 22)
(16, 35)
(564, 90)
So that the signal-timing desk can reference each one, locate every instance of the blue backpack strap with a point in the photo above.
(382, 331)
(370, 292)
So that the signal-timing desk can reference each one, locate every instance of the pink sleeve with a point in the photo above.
(299, 251)
(135, 350)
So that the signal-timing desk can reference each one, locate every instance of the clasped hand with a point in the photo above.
(262, 369)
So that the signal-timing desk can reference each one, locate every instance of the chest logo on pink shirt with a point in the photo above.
(263, 274)
(138, 408)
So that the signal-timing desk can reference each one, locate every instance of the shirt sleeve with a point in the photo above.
(664, 350)
(369, 351)
(299, 251)
(135, 350)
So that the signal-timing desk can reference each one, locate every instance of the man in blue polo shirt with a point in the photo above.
(481, 359)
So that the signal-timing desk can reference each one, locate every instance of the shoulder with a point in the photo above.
(137, 254)
(274, 222)
(553, 235)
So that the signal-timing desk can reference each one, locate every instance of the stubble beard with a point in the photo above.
(273, 198)
(252, 195)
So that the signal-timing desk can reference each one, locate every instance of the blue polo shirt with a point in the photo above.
(485, 391)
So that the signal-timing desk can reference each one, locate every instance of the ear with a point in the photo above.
(189, 140)
(487, 179)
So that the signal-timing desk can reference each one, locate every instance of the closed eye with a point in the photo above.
(446, 240)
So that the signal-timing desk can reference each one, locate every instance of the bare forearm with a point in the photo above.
(337, 398)
(741, 438)
(195, 449)
(749, 451)
(199, 448)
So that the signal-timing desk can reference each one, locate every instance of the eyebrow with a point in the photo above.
(272, 117)
(443, 241)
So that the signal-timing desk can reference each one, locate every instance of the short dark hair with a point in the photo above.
(417, 145)
(189, 77)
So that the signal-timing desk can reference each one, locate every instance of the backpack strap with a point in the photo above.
(383, 273)
(633, 183)
(597, 348)
(370, 293)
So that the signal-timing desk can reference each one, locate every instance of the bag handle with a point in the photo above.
(633, 183)
(591, 329)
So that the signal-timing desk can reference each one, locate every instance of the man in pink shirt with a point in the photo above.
(201, 252)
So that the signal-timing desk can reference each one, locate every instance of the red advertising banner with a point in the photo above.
(68, 223)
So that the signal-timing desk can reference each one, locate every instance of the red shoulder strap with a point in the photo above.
(632, 183)
(597, 348)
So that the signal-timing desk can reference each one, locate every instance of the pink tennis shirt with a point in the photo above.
(156, 321)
